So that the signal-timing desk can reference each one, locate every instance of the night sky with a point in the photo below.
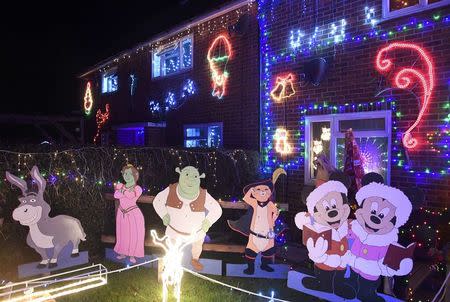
(47, 44)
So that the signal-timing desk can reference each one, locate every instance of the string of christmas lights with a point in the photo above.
(269, 58)
(202, 28)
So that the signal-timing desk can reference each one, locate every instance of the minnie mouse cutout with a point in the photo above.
(374, 234)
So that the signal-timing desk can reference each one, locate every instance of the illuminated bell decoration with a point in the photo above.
(403, 80)
(281, 141)
(284, 87)
(88, 100)
(219, 53)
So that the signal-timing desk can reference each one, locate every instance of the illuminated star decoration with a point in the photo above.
(154, 106)
(218, 56)
(171, 101)
(88, 100)
(281, 141)
(172, 269)
(101, 119)
(284, 87)
(188, 89)
(403, 80)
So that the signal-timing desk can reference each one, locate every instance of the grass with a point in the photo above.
(141, 284)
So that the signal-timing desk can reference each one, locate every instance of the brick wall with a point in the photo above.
(239, 108)
(352, 78)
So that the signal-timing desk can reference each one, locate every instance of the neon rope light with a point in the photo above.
(284, 87)
(49, 287)
(218, 64)
(403, 80)
(101, 119)
(281, 141)
(88, 101)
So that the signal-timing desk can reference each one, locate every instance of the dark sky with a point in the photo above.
(47, 44)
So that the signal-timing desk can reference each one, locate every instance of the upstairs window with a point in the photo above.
(325, 134)
(398, 8)
(203, 135)
(172, 58)
(110, 81)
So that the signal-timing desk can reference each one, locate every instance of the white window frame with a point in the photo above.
(335, 134)
(219, 124)
(169, 46)
(423, 5)
(106, 74)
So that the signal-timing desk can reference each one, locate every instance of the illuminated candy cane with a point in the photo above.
(403, 80)
(101, 119)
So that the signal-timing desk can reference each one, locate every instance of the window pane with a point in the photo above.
(319, 144)
(171, 63)
(214, 136)
(203, 135)
(110, 82)
(156, 65)
(187, 53)
(374, 154)
(362, 124)
(399, 4)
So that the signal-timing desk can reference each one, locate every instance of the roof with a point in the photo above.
(171, 32)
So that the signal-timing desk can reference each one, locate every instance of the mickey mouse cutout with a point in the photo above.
(325, 228)
(374, 234)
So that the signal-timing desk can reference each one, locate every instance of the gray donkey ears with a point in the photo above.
(37, 177)
(16, 181)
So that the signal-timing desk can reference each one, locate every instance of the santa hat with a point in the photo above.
(393, 195)
(321, 191)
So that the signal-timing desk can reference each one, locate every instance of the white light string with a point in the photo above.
(233, 287)
(440, 289)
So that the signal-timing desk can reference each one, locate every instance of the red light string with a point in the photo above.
(403, 80)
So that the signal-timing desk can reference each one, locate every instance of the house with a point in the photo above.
(288, 78)
(334, 54)
(162, 92)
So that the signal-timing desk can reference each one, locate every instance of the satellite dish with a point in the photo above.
(315, 70)
(241, 26)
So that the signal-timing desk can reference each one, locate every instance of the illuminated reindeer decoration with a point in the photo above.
(172, 270)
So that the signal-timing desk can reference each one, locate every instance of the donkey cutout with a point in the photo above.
(45, 232)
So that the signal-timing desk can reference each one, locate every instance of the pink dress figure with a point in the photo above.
(130, 227)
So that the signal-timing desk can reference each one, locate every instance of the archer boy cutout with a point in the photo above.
(375, 251)
(258, 223)
(325, 228)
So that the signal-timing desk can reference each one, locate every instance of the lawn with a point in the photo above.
(141, 284)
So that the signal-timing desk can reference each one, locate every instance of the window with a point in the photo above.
(130, 136)
(172, 58)
(397, 8)
(203, 135)
(325, 134)
(110, 82)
